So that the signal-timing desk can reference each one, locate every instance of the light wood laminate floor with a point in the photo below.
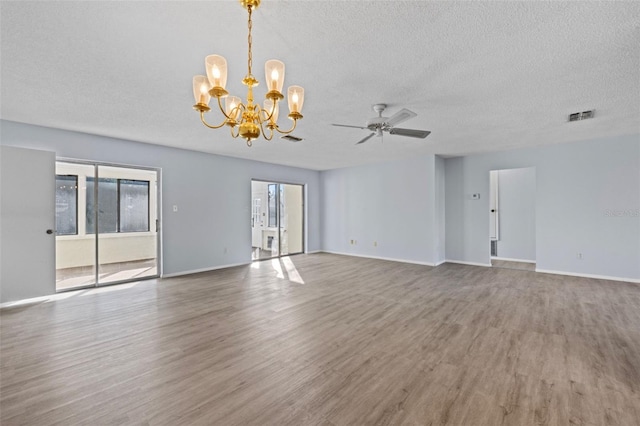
(329, 340)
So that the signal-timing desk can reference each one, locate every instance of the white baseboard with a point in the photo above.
(508, 259)
(461, 262)
(415, 262)
(440, 263)
(313, 252)
(598, 277)
(197, 271)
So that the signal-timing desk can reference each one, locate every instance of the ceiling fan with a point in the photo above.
(380, 124)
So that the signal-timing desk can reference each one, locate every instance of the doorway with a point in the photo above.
(277, 219)
(512, 199)
(106, 224)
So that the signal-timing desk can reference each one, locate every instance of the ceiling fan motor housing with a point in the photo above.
(377, 123)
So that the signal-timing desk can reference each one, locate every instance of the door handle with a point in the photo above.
(493, 210)
(49, 231)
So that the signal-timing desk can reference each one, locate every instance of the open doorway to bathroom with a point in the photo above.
(512, 199)
(277, 219)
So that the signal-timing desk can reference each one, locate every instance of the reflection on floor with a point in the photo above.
(258, 253)
(507, 264)
(79, 277)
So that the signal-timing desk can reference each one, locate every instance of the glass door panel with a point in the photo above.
(75, 248)
(126, 216)
(264, 220)
(272, 235)
(291, 219)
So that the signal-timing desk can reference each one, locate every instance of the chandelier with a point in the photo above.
(247, 120)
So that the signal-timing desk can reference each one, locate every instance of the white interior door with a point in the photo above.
(257, 220)
(27, 226)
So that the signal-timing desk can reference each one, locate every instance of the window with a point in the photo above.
(123, 205)
(66, 204)
(107, 206)
(134, 205)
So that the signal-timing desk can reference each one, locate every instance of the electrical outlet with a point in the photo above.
(375, 244)
(579, 256)
(175, 208)
(226, 250)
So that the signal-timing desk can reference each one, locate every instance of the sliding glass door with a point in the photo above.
(277, 219)
(106, 219)
(75, 248)
(290, 219)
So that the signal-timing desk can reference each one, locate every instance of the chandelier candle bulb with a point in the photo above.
(231, 103)
(216, 70)
(274, 74)
(296, 99)
(201, 89)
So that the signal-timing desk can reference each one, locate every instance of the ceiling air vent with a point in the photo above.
(291, 138)
(577, 116)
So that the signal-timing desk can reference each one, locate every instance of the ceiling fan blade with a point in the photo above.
(291, 138)
(400, 116)
(366, 139)
(346, 125)
(412, 133)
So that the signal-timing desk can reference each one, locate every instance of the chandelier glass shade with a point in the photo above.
(247, 119)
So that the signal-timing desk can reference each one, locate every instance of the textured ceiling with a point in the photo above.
(482, 76)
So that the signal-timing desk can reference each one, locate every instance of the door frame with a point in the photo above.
(158, 224)
(497, 213)
(304, 215)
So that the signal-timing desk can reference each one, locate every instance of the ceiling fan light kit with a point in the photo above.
(378, 125)
(247, 119)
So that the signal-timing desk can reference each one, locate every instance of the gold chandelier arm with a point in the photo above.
(209, 125)
(235, 135)
(261, 121)
(273, 110)
(222, 108)
(264, 114)
(286, 132)
(264, 134)
(238, 109)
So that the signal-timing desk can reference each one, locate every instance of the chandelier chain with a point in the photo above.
(250, 40)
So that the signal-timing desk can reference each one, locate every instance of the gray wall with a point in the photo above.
(517, 213)
(587, 201)
(213, 193)
(391, 203)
